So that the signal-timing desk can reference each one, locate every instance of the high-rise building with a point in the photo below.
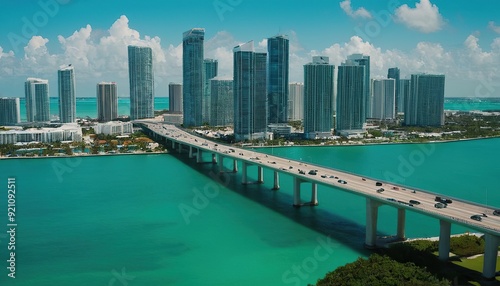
(249, 90)
(394, 74)
(192, 76)
(363, 60)
(210, 68)
(277, 79)
(351, 101)
(175, 97)
(36, 93)
(295, 101)
(383, 105)
(9, 111)
(107, 101)
(425, 103)
(404, 92)
(67, 95)
(318, 98)
(222, 102)
(141, 80)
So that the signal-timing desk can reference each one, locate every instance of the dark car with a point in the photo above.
(342, 182)
(312, 172)
(301, 172)
(476, 217)
(443, 200)
(414, 202)
(496, 212)
(378, 184)
(380, 190)
(440, 205)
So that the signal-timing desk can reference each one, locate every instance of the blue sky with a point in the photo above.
(460, 39)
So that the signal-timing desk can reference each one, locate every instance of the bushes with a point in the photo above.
(467, 245)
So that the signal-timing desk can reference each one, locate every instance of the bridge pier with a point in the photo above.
(444, 240)
(235, 166)
(199, 156)
(244, 169)
(220, 161)
(190, 152)
(371, 223)
(260, 175)
(314, 194)
(490, 256)
(214, 158)
(276, 181)
(401, 224)
(296, 192)
(179, 148)
(173, 144)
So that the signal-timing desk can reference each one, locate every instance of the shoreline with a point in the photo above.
(86, 155)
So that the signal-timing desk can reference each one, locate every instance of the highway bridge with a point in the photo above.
(376, 192)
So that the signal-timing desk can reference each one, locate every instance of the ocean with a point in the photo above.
(162, 219)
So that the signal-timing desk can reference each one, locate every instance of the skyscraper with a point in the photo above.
(141, 80)
(383, 105)
(394, 74)
(351, 101)
(192, 76)
(296, 101)
(363, 60)
(9, 111)
(175, 97)
(210, 68)
(36, 93)
(404, 92)
(425, 103)
(222, 102)
(67, 96)
(277, 79)
(249, 90)
(318, 98)
(107, 101)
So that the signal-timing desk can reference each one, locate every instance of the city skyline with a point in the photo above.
(450, 41)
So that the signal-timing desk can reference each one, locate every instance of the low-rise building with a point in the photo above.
(67, 132)
(114, 128)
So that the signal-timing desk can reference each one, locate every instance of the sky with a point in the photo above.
(460, 39)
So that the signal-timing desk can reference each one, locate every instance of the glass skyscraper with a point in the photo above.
(249, 89)
(222, 102)
(36, 93)
(67, 95)
(318, 98)
(9, 110)
(210, 68)
(425, 103)
(384, 96)
(296, 101)
(192, 76)
(394, 74)
(175, 97)
(107, 101)
(277, 79)
(404, 92)
(141, 80)
(351, 101)
(363, 60)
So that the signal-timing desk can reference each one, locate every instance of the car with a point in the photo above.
(273, 162)
(302, 172)
(395, 188)
(476, 217)
(331, 177)
(290, 167)
(443, 200)
(440, 205)
(363, 179)
(312, 172)
(282, 169)
(380, 190)
(342, 182)
(414, 202)
(378, 184)
(323, 176)
(484, 215)
(496, 212)
(391, 199)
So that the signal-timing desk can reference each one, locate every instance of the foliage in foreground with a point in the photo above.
(380, 270)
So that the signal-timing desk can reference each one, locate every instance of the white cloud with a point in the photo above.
(425, 17)
(494, 27)
(359, 13)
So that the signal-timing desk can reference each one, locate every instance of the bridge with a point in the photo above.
(377, 193)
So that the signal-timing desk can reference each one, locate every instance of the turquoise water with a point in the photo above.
(118, 220)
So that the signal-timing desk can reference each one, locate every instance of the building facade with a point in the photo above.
(67, 132)
(363, 60)
(107, 101)
(394, 74)
(425, 103)
(36, 92)
(351, 103)
(113, 128)
(318, 98)
(277, 79)
(222, 102)
(141, 81)
(384, 97)
(295, 101)
(249, 90)
(9, 111)
(404, 92)
(192, 76)
(67, 94)
(210, 70)
(175, 97)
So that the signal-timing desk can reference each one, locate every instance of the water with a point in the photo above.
(96, 220)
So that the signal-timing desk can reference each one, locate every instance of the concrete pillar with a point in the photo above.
(190, 151)
(444, 240)
(490, 256)
(235, 166)
(371, 222)
(260, 175)
(401, 224)
(214, 158)
(220, 161)
(314, 194)
(199, 156)
(180, 147)
(276, 181)
(244, 168)
(296, 192)
(173, 144)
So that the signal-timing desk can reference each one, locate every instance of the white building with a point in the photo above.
(113, 128)
(67, 132)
